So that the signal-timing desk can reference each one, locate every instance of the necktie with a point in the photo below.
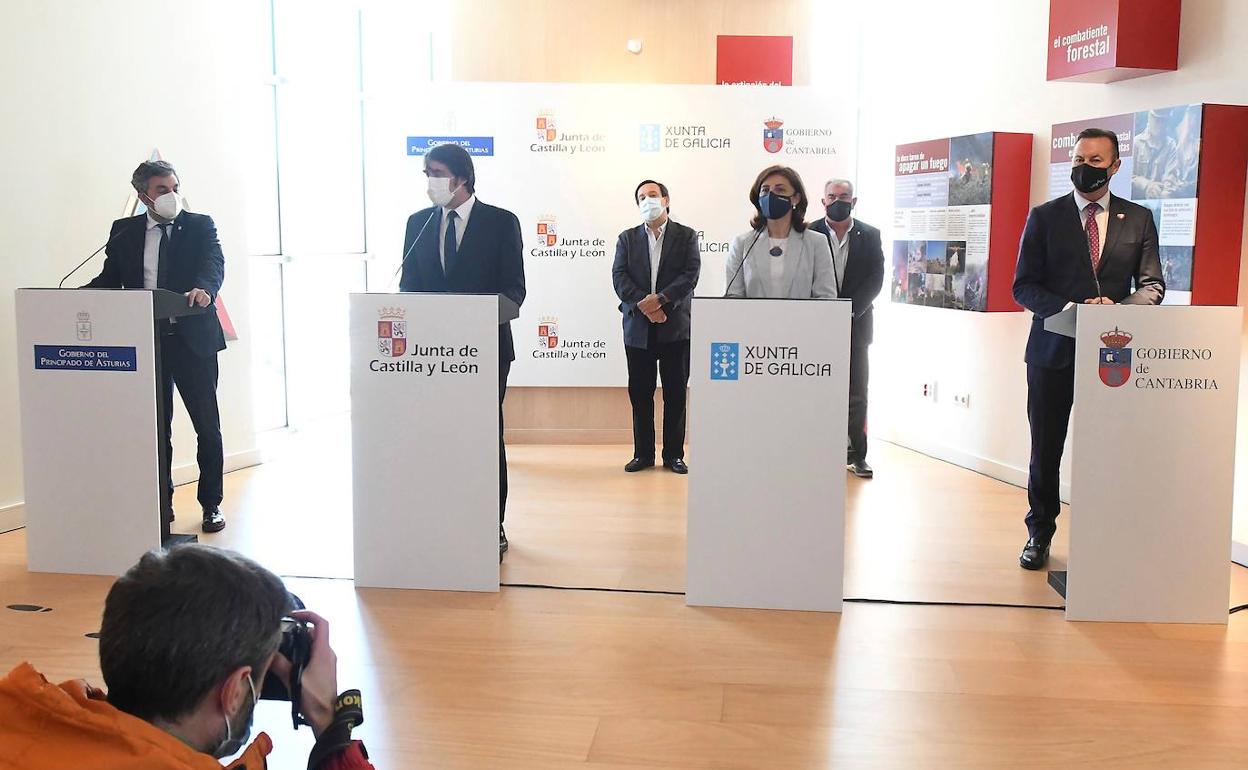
(162, 259)
(448, 243)
(1094, 234)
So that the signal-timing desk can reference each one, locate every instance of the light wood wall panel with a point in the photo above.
(583, 41)
(579, 41)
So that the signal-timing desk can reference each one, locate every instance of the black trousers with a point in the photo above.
(859, 374)
(195, 377)
(1050, 395)
(671, 361)
(504, 369)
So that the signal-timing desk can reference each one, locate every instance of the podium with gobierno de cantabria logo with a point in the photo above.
(1152, 462)
(424, 439)
(93, 426)
(769, 393)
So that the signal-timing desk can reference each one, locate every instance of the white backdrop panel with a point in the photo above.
(704, 142)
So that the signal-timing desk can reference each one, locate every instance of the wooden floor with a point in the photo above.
(537, 678)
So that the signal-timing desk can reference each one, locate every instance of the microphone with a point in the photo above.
(757, 234)
(415, 240)
(111, 238)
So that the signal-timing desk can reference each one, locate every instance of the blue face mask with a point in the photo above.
(234, 743)
(774, 206)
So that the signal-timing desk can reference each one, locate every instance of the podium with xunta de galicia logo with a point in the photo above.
(424, 439)
(769, 398)
(1152, 462)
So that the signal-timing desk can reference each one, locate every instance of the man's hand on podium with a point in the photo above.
(1099, 301)
(198, 297)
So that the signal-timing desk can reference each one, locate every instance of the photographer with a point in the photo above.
(188, 638)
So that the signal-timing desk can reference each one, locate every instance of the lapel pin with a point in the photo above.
(1120, 216)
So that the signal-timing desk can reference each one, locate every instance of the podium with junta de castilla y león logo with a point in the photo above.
(769, 385)
(1152, 462)
(424, 439)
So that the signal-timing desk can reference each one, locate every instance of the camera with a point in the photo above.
(295, 647)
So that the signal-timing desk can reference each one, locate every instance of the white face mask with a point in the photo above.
(168, 206)
(440, 192)
(651, 208)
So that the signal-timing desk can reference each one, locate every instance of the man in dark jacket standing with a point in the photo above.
(655, 271)
(170, 248)
(1086, 247)
(462, 245)
(858, 259)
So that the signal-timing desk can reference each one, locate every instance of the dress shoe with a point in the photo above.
(1035, 555)
(676, 466)
(502, 542)
(860, 469)
(638, 464)
(214, 521)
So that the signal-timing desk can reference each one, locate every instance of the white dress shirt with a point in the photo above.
(656, 253)
(461, 223)
(840, 251)
(151, 252)
(1102, 216)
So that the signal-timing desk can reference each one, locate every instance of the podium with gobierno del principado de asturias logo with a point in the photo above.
(93, 426)
(424, 439)
(1152, 462)
(769, 392)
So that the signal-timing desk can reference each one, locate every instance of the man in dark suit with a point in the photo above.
(169, 248)
(1086, 247)
(858, 259)
(655, 271)
(461, 245)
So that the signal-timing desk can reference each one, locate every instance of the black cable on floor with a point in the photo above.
(1240, 607)
(591, 588)
(917, 603)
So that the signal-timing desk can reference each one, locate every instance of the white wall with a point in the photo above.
(962, 66)
(88, 88)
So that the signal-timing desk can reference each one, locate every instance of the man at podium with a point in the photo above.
(170, 248)
(1085, 247)
(462, 245)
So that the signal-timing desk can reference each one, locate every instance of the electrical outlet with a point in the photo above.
(962, 399)
(929, 391)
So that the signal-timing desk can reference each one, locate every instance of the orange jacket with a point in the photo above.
(46, 727)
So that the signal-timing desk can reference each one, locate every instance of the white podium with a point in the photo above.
(1153, 462)
(769, 392)
(92, 426)
(424, 439)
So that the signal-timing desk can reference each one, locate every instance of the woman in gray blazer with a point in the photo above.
(779, 258)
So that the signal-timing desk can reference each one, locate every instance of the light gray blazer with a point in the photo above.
(807, 272)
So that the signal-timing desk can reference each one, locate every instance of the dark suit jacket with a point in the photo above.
(864, 275)
(679, 267)
(195, 263)
(1055, 267)
(490, 260)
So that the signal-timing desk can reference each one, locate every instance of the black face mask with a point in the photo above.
(774, 206)
(838, 211)
(1089, 179)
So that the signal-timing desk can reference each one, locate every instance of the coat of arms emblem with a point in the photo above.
(773, 135)
(1115, 360)
(392, 332)
(548, 332)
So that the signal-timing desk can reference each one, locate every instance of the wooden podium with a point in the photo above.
(1153, 462)
(769, 407)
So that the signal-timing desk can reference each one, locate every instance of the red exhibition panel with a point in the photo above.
(754, 60)
(960, 204)
(1102, 41)
(1185, 163)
